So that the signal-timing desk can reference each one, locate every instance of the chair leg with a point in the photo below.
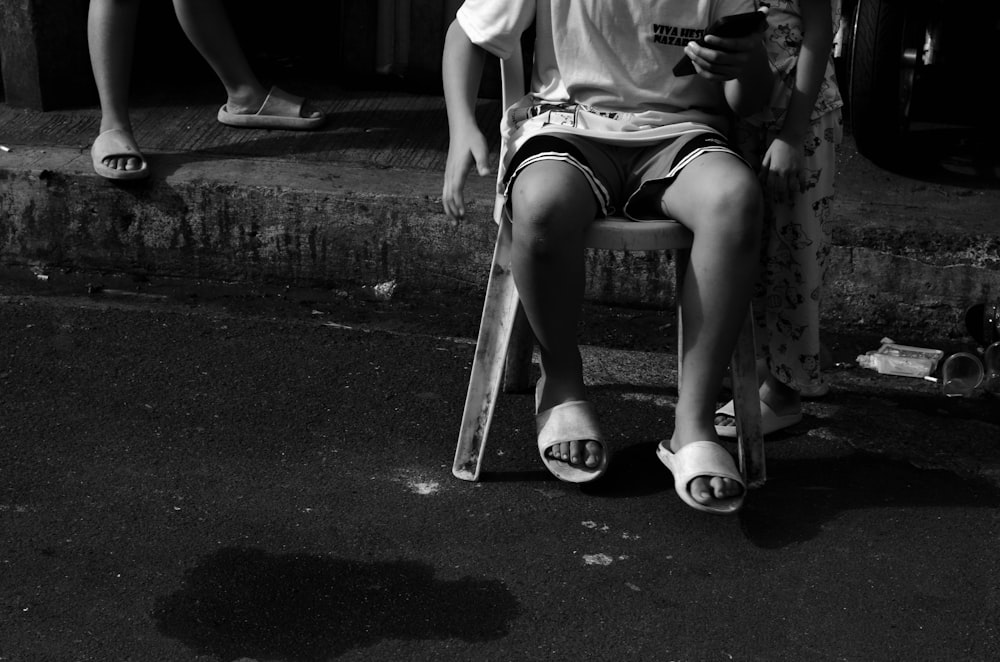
(499, 312)
(681, 259)
(746, 405)
(517, 373)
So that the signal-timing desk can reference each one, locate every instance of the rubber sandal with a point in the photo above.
(770, 421)
(702, 458)
(280, 110)
(117, 143)
(575, 420)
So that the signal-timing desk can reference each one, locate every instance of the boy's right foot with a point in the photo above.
(569, 437)
(582, 452)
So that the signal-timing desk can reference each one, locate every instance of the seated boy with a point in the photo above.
(608, 128)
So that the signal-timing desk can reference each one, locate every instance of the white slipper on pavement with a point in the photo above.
(575, 420)
(770, 421)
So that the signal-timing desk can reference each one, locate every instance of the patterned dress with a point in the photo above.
(796, 241)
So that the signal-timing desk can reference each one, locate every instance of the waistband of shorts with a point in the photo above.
(522, 114)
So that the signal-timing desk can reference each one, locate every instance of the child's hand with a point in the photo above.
(781, 171)
(723, 58)
(465, 148)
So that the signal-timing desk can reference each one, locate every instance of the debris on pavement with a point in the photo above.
(384, 291)
(901, 360)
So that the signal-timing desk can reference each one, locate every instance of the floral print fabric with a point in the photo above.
(796, 237)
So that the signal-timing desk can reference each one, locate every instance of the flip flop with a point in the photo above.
(575, 420)
(280, 110)
(770, 421)
(815, 391)
(117, 143)
(702, 458)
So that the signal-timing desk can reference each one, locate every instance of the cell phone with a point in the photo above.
(734, 25)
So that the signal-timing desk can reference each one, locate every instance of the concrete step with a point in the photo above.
(359, 203)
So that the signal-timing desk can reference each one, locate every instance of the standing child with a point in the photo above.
(795, 145)
(111, 26)
(607, 127)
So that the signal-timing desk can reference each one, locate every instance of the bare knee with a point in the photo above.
(551, 207)
(720, 200)
(731, 216)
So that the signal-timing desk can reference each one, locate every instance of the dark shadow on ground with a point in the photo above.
(802, 495)
(248, 603)
(980, 406)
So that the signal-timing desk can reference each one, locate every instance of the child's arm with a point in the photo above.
(462, 70)
(741, 64)
(782, 164)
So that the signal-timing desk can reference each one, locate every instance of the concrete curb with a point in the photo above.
(905, 259)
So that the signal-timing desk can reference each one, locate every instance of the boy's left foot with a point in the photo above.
(705, 475)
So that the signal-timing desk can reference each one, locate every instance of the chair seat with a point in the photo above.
(622, 234)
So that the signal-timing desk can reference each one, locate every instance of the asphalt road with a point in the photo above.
(196, 476)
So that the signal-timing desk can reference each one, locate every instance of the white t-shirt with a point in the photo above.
(610, 55)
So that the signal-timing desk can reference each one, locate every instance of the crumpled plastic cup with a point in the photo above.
(961, 374)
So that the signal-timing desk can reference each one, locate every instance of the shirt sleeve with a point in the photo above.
(496, 25)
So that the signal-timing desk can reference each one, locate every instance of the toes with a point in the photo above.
(577, 453)
(310, 111)
(708, 489)
(123, 163)
(719, 487)
(559, 451)
(725, 488)
(701, 490)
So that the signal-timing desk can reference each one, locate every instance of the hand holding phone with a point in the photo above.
(735, 25)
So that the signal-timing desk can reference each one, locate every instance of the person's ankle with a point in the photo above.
(246, 99)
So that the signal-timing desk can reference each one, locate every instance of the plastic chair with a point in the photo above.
(505, 344)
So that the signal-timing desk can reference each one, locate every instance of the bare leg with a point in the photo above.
(207, 26)
(111, 40)
(716, 197)
(552, 205)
